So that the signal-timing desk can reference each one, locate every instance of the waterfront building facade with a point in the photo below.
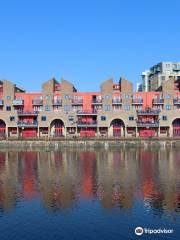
(153, 78)
(115, 111)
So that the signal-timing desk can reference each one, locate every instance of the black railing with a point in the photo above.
(148, 112)
(92, 123)
(37, 102)
(57, 102)
(117, 101)
(147, 123)
(76, 101)
(24, 123)
(137, 101)
(86, 112)
(158, 100)
(96, 101)
(176, 100)
(18, 102)
(27, 113)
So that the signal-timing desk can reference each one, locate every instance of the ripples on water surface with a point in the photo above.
(72, 194)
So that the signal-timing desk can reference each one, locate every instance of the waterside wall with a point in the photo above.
(88, 143)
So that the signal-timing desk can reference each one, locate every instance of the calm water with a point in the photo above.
(72, 194)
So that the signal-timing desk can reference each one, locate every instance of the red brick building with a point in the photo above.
(115, 111)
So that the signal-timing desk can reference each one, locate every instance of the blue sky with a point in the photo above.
(85, 42)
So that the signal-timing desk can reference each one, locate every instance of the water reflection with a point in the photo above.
(116, 179)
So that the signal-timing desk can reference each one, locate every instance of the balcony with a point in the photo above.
(116, 101)
(86, 112)
(27, 124)
(37, 102)
(57, 102)
(77, 102)
(96, 101)
(17, 102)
(176, 68)
(1, 102)
(23, 113)
(158, 101)
(176, 101)
(148, 112)
(148, 124)
(137, 101)
(87, 124)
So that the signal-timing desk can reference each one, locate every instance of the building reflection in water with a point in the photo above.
(115, 178)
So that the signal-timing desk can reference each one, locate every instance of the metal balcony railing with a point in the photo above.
(27, 124)
(37, 102)
(176, 68)
(148, 112)
(116, 101)
(57, 102)
(137, 101)
(87, 112)
(87, 124)
(158, 101)
(97, 101)
(176, 100)
(77, 101)
(147, 123)
(25, 113)
(18, 102)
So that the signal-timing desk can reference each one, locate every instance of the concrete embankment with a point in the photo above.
(88, 143)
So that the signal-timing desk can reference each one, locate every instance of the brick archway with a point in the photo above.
(117, 125)
(2, 128)
(57, 127)
(176, 127)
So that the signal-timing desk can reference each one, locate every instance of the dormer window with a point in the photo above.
(67, 97)
(107, 97)
(47, 97)
(168, 96)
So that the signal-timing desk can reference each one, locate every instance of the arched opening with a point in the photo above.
(57, 128)
(117, 127)
(2, 128)
(176, 127)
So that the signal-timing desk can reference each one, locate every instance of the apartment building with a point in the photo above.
(115, 111)
(153, 78)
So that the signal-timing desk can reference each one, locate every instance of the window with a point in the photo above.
(67, 97)
(71, 118)
(168, 96)
(47, 97)
(168, 107)
(127, 107)
(67, 108)
(126, 96)
(107, 97)
(164, 118)
(131, 118)
(8, 108)
(107, 107)
(8, 97)
(43, 118)
(12, 118)
(47, 108)
(103, 118)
